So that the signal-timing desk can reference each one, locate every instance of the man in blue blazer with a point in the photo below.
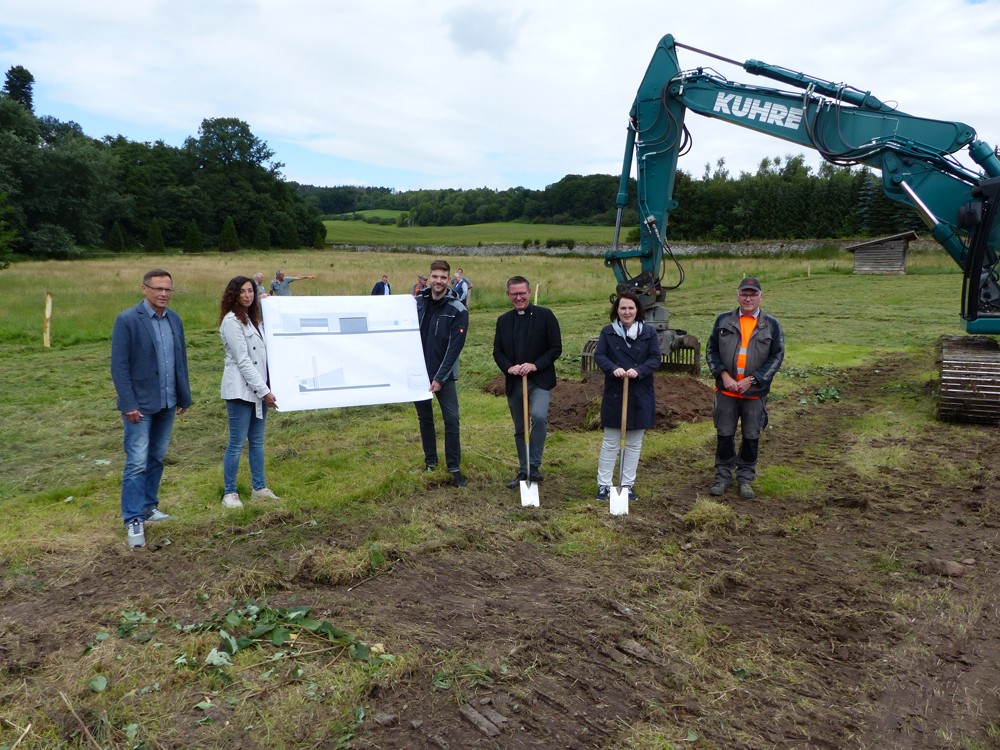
(150, 372)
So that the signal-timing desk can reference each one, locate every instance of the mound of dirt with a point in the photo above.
(577, 405)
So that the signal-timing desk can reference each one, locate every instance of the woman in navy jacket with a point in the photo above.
(626, 349)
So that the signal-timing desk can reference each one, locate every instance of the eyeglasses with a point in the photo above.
(517, 295)
(749, 295)
(166, 289)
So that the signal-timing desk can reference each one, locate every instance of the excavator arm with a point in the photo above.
(914, 155)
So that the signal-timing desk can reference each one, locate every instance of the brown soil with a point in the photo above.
(833, 615)
(576, 405)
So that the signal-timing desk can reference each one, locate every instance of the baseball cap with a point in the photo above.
(749, 283)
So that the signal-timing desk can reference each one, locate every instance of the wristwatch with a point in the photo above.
(753, 380)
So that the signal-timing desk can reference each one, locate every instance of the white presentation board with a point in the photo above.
(327, 352)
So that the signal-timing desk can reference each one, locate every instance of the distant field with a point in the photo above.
(499, 233)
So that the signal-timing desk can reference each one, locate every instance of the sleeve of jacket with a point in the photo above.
(776, 355)
(499, 355)
(715, 364)
(553, 337)
(651, 364)
(181, 380)
(602, 351)
(121, 371)
(236, 342)
(456, 340)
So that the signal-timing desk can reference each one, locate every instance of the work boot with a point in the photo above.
(536, 475)
(718, 489)
(746, 491)
(458, 480)
(514, 483)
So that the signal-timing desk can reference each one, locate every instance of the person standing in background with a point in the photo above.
(258, 280)
(280, 285)
(381, 287)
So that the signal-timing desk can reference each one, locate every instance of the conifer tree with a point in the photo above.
(229, 241)
(192, 239)
(262, 236)
(154, 242)
(116, 239)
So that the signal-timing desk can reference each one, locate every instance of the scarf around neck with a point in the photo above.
(631, 333)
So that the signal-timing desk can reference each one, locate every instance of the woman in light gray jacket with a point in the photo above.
(244, 387)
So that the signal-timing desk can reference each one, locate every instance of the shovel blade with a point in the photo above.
(529, 494)
(619, 501)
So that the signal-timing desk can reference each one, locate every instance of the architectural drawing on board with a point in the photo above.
(297, 324)
(331, 352)
(332, 380)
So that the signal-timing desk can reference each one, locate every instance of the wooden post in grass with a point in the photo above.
(536, 293)
(48, 320)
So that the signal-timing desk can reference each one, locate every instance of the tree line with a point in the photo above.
(783, 199)
(61, 190)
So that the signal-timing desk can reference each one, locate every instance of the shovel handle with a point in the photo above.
(624, 405)
(527, 427)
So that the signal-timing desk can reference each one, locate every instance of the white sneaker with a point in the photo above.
(158, 515)
(264, 494)
(136, 532)
(232, 500)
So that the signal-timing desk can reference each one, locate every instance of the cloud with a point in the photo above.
(474, 29)
(445, 93)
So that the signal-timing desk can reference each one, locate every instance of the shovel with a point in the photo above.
(529, 489)
(619, 495)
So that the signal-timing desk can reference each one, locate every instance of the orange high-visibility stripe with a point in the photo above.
(747, 324)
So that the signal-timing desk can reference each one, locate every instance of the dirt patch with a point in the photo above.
(576, 405)
(815, 623)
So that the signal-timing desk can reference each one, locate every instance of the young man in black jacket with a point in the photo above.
(444, 322)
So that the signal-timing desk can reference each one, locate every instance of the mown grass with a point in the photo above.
(339, 232)
(357, 470)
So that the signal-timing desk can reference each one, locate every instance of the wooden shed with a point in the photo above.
(885, 255)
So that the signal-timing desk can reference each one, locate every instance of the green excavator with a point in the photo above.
(916, 157)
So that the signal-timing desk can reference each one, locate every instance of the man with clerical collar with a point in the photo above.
(527, 342)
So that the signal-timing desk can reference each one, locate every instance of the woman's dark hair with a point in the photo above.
(231, 302)
(640, 314)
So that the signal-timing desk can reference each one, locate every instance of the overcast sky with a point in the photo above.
(474, 93)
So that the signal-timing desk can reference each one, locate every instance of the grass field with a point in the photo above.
(125, 647)
(499, 233)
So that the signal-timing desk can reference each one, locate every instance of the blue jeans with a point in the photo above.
(447, 397)
(145, 448)
(244, 427)
(538, 414)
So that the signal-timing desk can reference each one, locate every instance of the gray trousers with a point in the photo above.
(538, 413)
(751, 414)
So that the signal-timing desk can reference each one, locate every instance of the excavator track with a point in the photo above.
(970, 379)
